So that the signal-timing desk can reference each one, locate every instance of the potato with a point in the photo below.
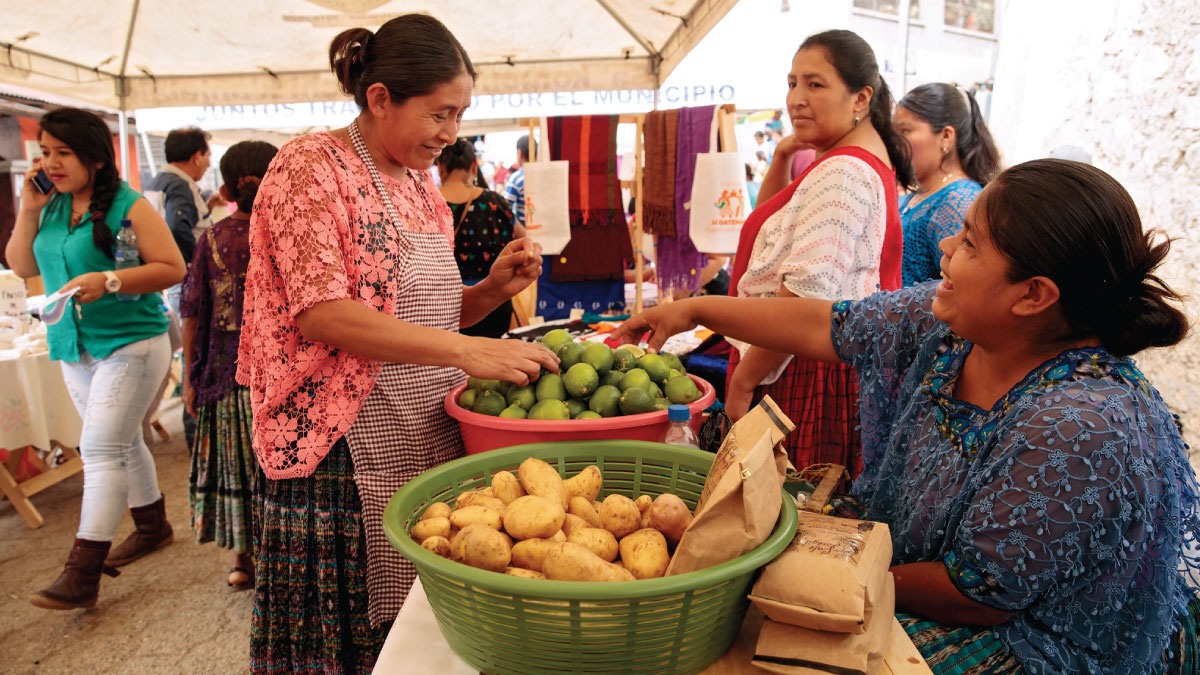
(465, 498)
(460, 518)
(583, 508)
(646, 519)
(669, 515)
(559, 537)
(621, 573)
(506, 487)
(596, 505)
(533, 517)
(524, 573)
(598, 541)
(424, 529)
(619, 515)
(573, 562)
(485, 548)
(572, 523)
(436, 510)
(644, 553)
(530, 554)
(584, 484)
(643, 503)
(486, 492)
(437, 545)
(539, 478)
(480, 499)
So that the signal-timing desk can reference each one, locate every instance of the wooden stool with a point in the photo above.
(20, 492)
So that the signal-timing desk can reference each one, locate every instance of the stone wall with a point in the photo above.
(1121, 79)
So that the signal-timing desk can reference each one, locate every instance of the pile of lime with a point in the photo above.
(595, 381)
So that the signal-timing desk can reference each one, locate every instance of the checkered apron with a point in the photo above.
(402, 429)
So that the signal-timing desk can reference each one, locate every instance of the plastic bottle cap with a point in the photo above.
(126, 223)
(678, 413)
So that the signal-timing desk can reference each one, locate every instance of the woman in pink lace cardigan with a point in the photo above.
(350, 343)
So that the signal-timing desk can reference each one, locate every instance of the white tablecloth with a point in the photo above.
(415, 645)
(35, 407)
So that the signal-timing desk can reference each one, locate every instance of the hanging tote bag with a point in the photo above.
(547, 221)
(720, 201)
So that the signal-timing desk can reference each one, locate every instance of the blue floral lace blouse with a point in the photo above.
(1070, 502)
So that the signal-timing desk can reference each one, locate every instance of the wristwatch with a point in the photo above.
(111, 283)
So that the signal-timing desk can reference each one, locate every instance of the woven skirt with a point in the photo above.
(821, 399)
(958, 650)
(310, 603)
(225, 473)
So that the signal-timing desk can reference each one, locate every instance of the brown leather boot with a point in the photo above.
(79, 583)
(152, 530)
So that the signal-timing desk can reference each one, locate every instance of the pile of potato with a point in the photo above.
(539, 526)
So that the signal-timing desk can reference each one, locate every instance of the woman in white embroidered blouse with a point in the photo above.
(833, 233)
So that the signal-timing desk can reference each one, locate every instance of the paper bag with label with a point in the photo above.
(789, 649)
(830, 577)
(740, 503)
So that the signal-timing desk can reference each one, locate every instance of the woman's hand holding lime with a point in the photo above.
(662, 322)
(509, 360)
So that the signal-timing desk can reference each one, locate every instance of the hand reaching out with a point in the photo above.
(509, 360)
(662, 322)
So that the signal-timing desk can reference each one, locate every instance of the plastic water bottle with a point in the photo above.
(126, 255)
(679, 429)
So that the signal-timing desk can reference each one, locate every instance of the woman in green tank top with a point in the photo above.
(111, 342)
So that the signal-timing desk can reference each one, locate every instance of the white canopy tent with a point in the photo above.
(128, 54)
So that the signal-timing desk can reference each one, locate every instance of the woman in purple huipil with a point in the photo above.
(225, 473)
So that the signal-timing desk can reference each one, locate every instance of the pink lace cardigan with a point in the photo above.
(319, 232)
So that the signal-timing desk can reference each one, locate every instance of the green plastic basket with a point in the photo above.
(504, 624)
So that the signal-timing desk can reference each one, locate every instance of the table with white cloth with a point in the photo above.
(415, 645)
(36, 414)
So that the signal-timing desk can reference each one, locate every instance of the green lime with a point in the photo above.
(635, 378)
(634, 349)
(550, 387)
(576, 406)
(605, 401)
(654, 390)
(624, 360)
(635, 401)
(682, 390)
(568, 355)
(489, 403)
(467, 398)
(599, 356)
(612, 377)
(549, 409)
(522, 396)
(673, 361)
(482, 385)
(588, 415)
(581, 380)
(555, 339)
(655, 366)
(661, 404)
(513, 411)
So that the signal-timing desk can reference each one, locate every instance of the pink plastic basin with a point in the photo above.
(483, 432)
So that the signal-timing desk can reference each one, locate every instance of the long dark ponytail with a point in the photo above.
(945, 105)
(856, 65)
(90, 139)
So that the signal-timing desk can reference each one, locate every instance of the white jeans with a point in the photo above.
(112, 396)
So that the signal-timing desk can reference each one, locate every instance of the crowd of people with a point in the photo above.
(956, 333)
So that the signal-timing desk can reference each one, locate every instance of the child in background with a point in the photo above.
(224, 473)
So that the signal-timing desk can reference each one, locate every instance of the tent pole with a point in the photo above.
(638, 259)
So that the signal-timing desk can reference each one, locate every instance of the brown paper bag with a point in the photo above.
(830, 577)
(790, 649)
(740, 503)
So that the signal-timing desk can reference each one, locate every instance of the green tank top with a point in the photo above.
(63, 253)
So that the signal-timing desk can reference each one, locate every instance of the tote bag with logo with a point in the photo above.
(547, 220)
(719, 199)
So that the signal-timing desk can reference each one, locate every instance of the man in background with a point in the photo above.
(514, 187)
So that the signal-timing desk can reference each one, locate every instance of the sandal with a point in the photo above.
(240, 578)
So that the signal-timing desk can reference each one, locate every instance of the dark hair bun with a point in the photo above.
(1145, 316)
(348, 57)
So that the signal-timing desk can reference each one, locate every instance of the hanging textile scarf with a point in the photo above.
(678, 262)
(658, 180)
(599, 236)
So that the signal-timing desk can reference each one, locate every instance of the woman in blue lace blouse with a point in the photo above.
(1043, 513)
(953, 157)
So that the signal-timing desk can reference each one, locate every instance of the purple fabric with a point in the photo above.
(212, 294)
(678, 263)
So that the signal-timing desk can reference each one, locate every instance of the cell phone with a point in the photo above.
(42, 182)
